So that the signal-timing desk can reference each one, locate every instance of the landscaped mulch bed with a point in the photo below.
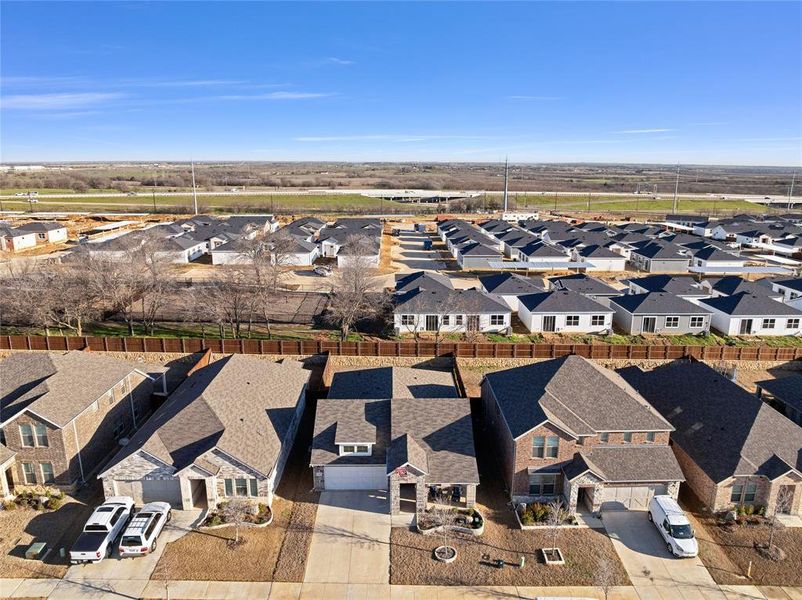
(274, 553)
(60, 528)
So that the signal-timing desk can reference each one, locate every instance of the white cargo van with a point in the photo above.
(673, 525)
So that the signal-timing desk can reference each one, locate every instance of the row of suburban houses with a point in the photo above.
(565, 428)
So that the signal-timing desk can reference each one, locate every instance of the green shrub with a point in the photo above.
(10, 505)
(749, 510)
(527, 519)
(740, 509)
(54, 503)
(761, 510)
(215, 520)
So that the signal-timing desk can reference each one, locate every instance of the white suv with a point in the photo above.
(139, 537)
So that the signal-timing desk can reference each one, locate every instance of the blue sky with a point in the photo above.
(682, 82)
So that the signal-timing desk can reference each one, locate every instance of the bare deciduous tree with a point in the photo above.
(236, 512)
(352, 299)
(785, 498)
(557, 514)
(605, 576)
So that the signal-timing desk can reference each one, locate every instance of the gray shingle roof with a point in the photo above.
(731, 432)
(574, 392)
(362, 415)
(624, 464)
(509, 284)
(793, 284)
(241, 405)
(584, 284)
(658, 303)
(711, 253)
(597, 251)
(677, 285)
(786, 389)
(40, 226)
(562, 301)
(392, 382)
(443, 430)
(422, 279)
(732, 284)
(449, 301)
(746, 304)
(58, 387)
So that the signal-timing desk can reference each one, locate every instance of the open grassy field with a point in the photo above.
(644, 204)
(272, 203)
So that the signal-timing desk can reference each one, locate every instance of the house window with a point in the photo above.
(597, 320)
(792, 324)
(349, 449)
(28, 473)
(672, 322)
(542, 485)
(736, 493)
(355, 449)
(26, 435)
(40, 431)
(110, 397)
(627, 437)
(457, 319)
(545, 446)
(650, 437)
(407, 319)
(446, 320)
(604, 437)
(572, 321)
(47, 472)
(769, 323)
(751, 492)
(119, 428)
(697, 322)
(241, 487)
(497, 319)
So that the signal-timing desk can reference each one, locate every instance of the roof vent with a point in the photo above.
(123, 441)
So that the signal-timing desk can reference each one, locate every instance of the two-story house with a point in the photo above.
(61, 415)
(570, 428)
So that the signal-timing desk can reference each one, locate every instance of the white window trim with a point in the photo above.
(699, 320)
(676, 326)
(578, 320)
(343, 452)
(42, 472)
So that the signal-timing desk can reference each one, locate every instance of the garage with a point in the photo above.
(353, 477)
(630, 497)
(151, 490)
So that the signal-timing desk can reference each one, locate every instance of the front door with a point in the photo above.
(549, 323)
(648, 324)
(432, 322)
(746, 326)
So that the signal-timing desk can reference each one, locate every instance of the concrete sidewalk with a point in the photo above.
(222, 590)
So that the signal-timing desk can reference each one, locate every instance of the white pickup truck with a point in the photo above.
(101, 530)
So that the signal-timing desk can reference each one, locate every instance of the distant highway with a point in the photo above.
(377, 193)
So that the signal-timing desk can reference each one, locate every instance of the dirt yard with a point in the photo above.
(59, 529)
(273, 553)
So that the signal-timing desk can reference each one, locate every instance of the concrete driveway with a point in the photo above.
(126, 573)
(654, 572)
(408, 255)
(351, 539)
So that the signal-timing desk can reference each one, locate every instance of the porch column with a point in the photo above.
(421, 495)
(395, 495)
(5, 492)
(470, 495)
(186, 494)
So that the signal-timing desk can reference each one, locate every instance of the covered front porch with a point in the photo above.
(411, 493)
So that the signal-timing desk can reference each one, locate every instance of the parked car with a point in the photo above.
(674, 526)
(323, 271)
(101, 530)
(139, 538)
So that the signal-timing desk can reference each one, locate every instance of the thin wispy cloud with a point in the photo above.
(639, 131)
(524, 98)
(273, 96)
(333, 60)
(384, 137)
(52, 102)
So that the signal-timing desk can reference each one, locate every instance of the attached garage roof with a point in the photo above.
(630, 464)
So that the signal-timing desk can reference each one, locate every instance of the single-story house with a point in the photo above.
(729, 285)
(791, 289)
(659, 257)
(16, 240)
(716, 258)
(600, 257)
(752, 314)
(734, 449)
(563, 311)
(424, 280)
(477, 255)
(225, 432)
(593, 288)
(570, 428)
(48, 232)
(439, 310)
(542, 252)
(509, 287)
(392, 444)
(678, 285)
(659, 312)
(784, 394)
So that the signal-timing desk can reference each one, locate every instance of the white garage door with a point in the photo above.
(151, 490)
(362, 477)
(632, 497)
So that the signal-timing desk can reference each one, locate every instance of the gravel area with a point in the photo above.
(59, 529)
(274, 553)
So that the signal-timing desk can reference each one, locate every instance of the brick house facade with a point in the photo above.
(67, 454)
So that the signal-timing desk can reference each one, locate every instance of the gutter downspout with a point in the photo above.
(78, 447)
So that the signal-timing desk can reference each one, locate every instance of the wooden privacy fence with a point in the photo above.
(404, 348)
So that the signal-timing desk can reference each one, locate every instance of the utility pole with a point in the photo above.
(154, 201)
(676, 189)
(506, 177)
(194, 189)
(791, 190)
